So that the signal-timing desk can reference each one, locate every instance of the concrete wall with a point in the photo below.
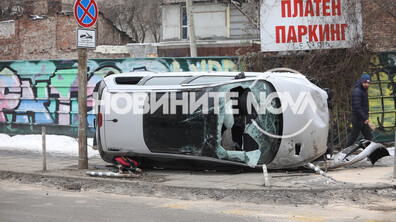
(171, 22)
(44, 92)
(210, 21)
(7, 35)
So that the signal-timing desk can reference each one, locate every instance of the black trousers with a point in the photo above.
(357, 127)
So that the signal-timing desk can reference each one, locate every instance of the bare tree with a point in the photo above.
(141, 19)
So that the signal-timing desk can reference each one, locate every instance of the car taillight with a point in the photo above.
(100, 120)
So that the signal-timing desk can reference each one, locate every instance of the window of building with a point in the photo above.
(184, 22)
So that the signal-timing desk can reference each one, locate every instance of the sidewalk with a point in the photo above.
(360, 175)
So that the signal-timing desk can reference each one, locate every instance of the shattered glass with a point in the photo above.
(218, 132)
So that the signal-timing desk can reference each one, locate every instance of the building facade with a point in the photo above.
(222, 28)
(46, 29)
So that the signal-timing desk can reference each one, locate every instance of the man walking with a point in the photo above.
(360, 109)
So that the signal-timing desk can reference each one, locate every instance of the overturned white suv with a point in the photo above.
(277, 118)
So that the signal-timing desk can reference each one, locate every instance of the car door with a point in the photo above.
(123, 127)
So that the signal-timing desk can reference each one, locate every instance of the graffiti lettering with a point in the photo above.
(34, 93)
(382, 93)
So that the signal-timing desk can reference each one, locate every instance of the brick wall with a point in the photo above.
(53, 36)
(108, 34)
(37, 38)
(66, 33)
(40, 7)
(379, 25)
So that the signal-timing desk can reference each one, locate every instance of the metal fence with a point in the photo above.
(340, 128)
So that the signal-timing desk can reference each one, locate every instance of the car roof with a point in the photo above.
(175, 80)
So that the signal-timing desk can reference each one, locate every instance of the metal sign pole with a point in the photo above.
(86, 15)
(82, 109)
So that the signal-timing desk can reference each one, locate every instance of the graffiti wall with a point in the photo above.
(37, 93)
(382, 94)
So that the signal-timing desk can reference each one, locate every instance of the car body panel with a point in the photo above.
(291, 137)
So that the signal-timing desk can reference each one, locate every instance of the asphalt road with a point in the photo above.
(64, 193)
(34, 203)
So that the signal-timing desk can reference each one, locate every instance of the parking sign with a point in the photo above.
(86, 38)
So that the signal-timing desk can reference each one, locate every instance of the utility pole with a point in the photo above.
(82, 109)
(191, 28)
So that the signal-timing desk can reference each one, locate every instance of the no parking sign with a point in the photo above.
(86, 12)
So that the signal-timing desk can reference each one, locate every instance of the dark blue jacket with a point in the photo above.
(360, 104)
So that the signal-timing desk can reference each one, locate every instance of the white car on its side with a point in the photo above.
(278, 118)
